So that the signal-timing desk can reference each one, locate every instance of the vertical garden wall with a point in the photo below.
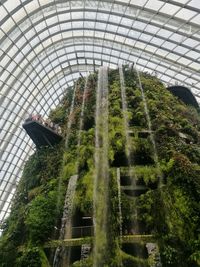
(148, 198)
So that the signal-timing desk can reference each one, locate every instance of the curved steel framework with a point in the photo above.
(46, 44)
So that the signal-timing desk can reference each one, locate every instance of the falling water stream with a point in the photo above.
(61, 253)
(101, 179)
(119, 204)
(146, 110)
(155, 251)
(70, 120)
(120, 211)
(128, 145)
(85, 248)
(82, 112)
(69, 124)
(131, 169)
(125, 120)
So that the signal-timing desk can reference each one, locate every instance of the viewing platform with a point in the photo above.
(42, 132)
(80, 241)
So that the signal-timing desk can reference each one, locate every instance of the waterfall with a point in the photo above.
(81, 122)
(101, 180)
(82, 112)
(120, 209)
(69, 123)
(152, 248)
(146, 110)
(65, 231)
(125, 115)
(128, 145)
(119, 204)
(85, 248)
(132, 173)
(62, 255)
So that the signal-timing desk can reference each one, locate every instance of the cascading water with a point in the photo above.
(119, 204)
(101, 180)
(69, 123)
(131, 169)
(149, 124)
(128, 145)
(62, 253)
(126, 125)
(120, 210)
(65, 231)
(85, 248)
(157, 262)
(125, 115)
(82, 113)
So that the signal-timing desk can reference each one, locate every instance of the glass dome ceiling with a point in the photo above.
(46, 44)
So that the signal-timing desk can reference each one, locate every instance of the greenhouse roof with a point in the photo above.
(46, 44)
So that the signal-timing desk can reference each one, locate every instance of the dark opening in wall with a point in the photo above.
(140, 181)
(134, 121)
(136, 250)
(131, 133)
(152, 185)
(120, 159)
(82, 231)
(81, 219)
(130, 227)
(75, 254)
(143, 155)
(143, 134)
(125, 180)
(135, 192)
(82, 225)
(88, 123)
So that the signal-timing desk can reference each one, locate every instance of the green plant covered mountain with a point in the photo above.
(126, 173)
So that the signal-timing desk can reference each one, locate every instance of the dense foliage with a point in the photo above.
(169, 206)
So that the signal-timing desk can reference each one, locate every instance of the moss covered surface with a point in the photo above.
(170, 212)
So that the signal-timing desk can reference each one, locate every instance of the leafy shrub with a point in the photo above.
(41, 217)
(30, 257)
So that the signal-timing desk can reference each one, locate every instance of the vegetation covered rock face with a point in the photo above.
(170, 212)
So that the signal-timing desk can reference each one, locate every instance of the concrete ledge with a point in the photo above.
(87, 240)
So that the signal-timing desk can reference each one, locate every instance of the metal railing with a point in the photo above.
(82, 231)
(45, 122)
